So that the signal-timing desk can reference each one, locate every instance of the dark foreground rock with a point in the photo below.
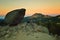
(13, 17)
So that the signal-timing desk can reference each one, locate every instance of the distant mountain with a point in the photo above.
(43, 19)
(55, 19)
(37, 18)
(2, 17)
(26, 19)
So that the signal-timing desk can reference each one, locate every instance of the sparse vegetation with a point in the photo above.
(32, 28)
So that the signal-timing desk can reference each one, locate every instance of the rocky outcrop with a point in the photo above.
(14, 17)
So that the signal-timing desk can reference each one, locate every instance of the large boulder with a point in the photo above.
(14, 17)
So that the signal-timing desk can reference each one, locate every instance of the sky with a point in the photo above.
(47, 7)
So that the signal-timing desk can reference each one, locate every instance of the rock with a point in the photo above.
(14, 17)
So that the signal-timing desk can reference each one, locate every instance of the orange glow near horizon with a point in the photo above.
(32, 11)
(46, 7)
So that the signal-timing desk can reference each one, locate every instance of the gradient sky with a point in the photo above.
(48, 7)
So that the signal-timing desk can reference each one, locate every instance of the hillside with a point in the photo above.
(25, 32)
(34, 27)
